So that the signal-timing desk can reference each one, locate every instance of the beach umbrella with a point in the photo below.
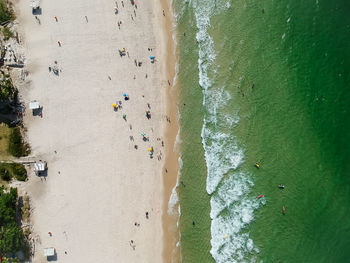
(143, 134)
(114, 105)
(124, 95)
(151, 57)
(150, 149)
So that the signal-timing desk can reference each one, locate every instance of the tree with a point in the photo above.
(11, 238)
(11, 235)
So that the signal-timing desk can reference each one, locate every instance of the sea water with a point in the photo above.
(265, 82)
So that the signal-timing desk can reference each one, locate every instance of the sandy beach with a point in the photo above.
(101, 181)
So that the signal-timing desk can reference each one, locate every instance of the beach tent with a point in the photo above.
(34, 4)
(33, 105)
(40, 167)
(49, 252)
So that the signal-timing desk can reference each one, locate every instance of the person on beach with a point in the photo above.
(37, 19)
(59, 43)
(56, 18)
(124, 117)
(86, 19)
(147, 215)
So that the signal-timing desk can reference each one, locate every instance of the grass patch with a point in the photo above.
(7, 33)
(9, 171)
(17, 146)
(5, 132)
(6, 14)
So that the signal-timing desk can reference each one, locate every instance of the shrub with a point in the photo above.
(19, 172)
(17, 147)
(7, 33)
(5, 174)
(7, 90)
(11, 235)
(5, 13)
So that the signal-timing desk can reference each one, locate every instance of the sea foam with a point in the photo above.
(232, 209)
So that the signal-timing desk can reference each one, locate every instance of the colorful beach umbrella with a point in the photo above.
(114, 105)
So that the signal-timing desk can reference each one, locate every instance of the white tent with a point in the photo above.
(49, 252)
(35, 4)
(34, 105)
(40, 167)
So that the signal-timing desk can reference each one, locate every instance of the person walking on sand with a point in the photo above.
(56, 18)
(59, 43)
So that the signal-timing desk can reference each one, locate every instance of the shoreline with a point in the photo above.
(64, 175)
(170, 169)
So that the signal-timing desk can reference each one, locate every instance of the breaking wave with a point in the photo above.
(232, 209)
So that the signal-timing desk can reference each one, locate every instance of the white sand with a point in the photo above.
(104, 185)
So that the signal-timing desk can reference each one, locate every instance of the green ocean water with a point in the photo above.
(281, 69)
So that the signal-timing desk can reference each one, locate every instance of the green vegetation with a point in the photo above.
(4, 141)
(17, 146)
(10, 260)
(11, 235)
(7, 90)
(7, 33)
(12, 170)
(26, 214)
(6, 13)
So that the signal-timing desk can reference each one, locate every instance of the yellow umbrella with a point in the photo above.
(114, 105)
(150, 149)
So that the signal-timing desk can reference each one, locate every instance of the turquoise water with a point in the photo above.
(267, 82)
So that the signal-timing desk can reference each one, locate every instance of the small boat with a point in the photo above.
(257, 165)
(259, 196)
(284, 210)
(281, 186)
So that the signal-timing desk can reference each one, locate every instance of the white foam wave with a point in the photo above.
(231, 208)
(221, 155)
(228, 243)
(232, 190)
(173, 201)
(174, 198)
